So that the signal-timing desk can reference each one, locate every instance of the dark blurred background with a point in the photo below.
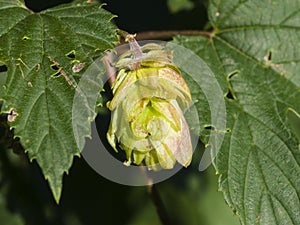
(135, 16)
(191, 197)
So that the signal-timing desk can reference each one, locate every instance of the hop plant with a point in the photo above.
(147, 119)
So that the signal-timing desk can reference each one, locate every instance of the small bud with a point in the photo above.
(147, 119)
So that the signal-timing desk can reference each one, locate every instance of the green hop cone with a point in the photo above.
(147, 119)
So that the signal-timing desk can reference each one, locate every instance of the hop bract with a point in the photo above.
(147, 119)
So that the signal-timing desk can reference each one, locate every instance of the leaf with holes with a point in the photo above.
(40, 50)
(253, 50)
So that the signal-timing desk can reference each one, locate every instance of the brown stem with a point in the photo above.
(134, 46)
(167, 35)
(159, 205)
(111, 71)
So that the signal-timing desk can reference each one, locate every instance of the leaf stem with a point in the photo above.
(134, 46)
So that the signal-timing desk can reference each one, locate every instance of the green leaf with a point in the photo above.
(40, 51)
(253, 51)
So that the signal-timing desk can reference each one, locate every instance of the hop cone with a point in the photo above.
(147, 118)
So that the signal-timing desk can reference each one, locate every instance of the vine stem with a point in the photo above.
(169, 34)
(164, 35)
(159, 204)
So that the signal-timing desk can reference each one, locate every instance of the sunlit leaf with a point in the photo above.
(253, 50)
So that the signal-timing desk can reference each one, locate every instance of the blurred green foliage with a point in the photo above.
(191, 197)
(179, 5)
